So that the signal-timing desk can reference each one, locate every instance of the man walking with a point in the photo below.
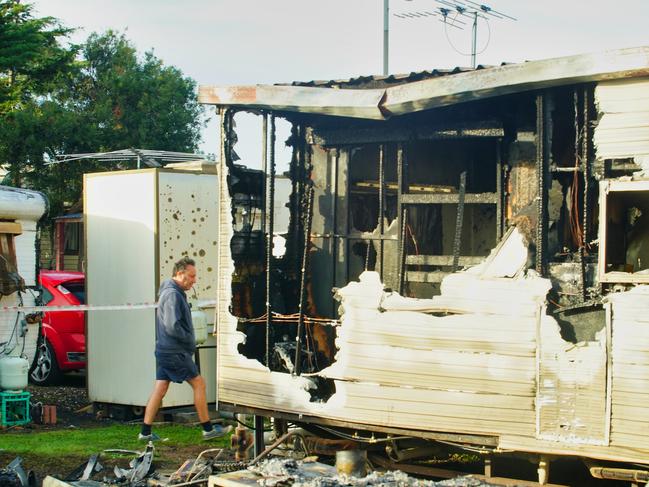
(175, 346)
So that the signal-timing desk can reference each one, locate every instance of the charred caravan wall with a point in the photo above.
(493, 142)
(575, 389)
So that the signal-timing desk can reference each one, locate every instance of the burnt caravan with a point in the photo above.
(467, 258)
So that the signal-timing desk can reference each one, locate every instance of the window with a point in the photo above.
(624, 231)
(10, 280)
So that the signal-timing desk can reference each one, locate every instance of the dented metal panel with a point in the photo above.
(138, 223)
(514, 78)
(324, 101)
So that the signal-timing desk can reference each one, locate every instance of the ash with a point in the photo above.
(279, 472)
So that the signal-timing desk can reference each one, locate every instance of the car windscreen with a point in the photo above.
(76, 288)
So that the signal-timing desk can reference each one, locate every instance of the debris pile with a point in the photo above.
(278, 472)
(141, 469)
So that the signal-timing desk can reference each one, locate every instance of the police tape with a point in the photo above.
(90, 307)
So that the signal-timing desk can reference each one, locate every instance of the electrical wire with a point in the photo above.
(281, 318)
(360, 438)
(248, 426)
(4, 350)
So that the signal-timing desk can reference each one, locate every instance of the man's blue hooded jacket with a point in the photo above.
(173, 320)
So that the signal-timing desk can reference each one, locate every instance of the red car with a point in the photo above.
(63, 345)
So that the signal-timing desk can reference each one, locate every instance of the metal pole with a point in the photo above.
(264, 167)
(379, 257)
(401, 219)
(474, 39)
(386, 35)
(270, 204)
(542, 177)
(259, 436)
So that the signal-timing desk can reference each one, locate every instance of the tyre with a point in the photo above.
(45, 369)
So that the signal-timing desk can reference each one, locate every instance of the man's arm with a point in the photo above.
(174, 320)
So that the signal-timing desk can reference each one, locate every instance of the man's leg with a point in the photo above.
(200, 402)
(200, 399)
(153, 405)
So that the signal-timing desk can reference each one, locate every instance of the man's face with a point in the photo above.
(187, 278)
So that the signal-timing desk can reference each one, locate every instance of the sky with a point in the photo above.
(243, 42)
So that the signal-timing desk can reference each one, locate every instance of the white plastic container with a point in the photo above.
(199, 319)
(13, 373)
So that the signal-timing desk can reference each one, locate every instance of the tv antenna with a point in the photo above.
(457, 14)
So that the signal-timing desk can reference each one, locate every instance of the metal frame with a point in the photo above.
(542, 150)
(473, 439)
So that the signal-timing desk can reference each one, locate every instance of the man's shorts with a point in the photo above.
(175, 367)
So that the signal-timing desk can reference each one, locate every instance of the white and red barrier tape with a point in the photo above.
(90, 307)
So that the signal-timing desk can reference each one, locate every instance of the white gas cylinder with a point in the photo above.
(13, 373)
(200, 326)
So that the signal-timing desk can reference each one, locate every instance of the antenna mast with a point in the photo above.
(473, 11)
(457, 14)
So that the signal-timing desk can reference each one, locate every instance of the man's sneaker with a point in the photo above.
(149, 437)
(216, 432)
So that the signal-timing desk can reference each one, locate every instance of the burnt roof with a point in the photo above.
(382, 81)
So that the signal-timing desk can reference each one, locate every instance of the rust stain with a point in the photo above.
(244, 94)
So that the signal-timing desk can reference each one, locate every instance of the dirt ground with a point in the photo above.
(73, 411)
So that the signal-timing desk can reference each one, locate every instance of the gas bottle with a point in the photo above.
(199, 319)
(13, 373)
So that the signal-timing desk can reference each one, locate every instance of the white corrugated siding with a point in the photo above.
(630, 359)
(623, 127)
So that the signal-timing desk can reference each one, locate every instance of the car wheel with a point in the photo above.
(45, 370)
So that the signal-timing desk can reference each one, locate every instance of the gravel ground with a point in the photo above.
(70, 397)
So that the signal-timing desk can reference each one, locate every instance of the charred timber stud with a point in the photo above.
(457, 241)
(305, 254)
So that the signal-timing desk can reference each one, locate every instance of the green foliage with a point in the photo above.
(99, 96)
(138, 103)
(31, 58)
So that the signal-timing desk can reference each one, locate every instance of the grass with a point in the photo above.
(61, 450)
(94, 439)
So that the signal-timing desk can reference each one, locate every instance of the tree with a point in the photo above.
(137, 103)
(106, 99)
(31, 57)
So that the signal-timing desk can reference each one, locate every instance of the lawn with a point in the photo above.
(58, 452)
